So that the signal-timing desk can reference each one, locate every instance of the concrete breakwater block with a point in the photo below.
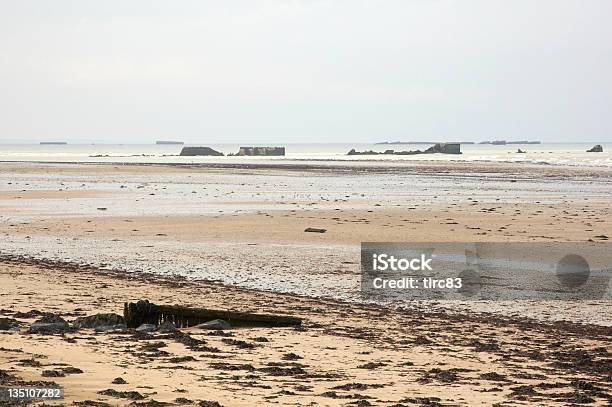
(194, 151)
(262, 151)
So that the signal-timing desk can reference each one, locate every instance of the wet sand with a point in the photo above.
(245, 226)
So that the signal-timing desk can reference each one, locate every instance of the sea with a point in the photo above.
(571, 154)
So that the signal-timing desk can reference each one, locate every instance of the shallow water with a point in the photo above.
(547, 153)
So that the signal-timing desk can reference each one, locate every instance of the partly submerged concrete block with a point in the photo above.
(193, 151)
(596, 149)
(445, 148)
(262, 151)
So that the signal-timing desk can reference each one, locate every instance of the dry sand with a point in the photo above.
(465, 223)
(346, 355)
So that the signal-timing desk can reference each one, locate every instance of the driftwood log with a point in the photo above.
(144, 312)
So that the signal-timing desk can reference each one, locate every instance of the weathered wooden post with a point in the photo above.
(145, 312)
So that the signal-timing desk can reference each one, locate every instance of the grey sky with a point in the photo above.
(305, 71)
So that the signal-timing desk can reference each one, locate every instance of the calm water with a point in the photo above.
(562, 154)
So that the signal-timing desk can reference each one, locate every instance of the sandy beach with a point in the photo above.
(83, 239)
(342, 355)
(305, 203)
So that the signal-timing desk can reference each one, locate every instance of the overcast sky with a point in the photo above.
(305, 71)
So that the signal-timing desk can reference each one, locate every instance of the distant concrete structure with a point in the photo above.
(504, 142)
(442, 148)
(163, 142)
(445, 148)
(193, 151)
(596, 149)
(265, 151)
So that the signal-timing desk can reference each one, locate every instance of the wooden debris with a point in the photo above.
(144, 312)
(315, 230)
